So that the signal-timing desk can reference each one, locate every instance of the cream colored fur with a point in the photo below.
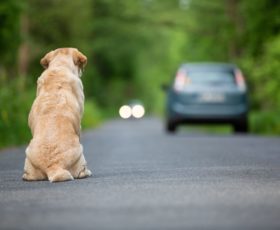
(55, 152)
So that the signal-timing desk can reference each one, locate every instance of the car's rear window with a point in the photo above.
(211, 77)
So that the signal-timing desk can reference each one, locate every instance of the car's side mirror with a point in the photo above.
(164, 87)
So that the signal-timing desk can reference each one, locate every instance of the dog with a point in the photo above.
(54, 152)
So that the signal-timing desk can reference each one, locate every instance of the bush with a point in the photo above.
(265, 122)
(15, 105)
(264, 80)
(92, 115)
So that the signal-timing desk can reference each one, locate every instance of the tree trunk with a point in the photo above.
(237, 25)
(23, 52)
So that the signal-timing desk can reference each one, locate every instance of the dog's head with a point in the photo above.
(79, 59)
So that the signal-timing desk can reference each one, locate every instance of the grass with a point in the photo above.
(214, 129)
(265, 122)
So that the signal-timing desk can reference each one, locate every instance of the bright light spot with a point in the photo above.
(138, 111)
(125, 112)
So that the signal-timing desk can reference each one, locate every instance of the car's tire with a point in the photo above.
(171, 127)
(241, 126)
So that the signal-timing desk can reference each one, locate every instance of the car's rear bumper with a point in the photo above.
(207, 113)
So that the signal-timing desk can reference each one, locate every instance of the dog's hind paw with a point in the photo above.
(84, 173)
(25, 176)
(29, 177)
(60, 175)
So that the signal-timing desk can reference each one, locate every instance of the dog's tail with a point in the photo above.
(59, 174)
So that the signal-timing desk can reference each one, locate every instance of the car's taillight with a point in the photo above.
(239, 79)
(181, 81)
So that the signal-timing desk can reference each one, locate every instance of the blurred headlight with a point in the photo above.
(138, 111)
(125, 112)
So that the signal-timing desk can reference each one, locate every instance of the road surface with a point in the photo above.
(146, 179)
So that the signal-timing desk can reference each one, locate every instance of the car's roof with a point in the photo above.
(209, 66)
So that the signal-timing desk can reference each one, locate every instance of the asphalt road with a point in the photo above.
(146, 179)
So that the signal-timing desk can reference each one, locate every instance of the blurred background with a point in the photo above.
(133, 47)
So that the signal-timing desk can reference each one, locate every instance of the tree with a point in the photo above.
(9, 35)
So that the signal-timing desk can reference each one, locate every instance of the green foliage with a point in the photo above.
(261, 23)
(265, 122)
(135, 46)
(9, 32)
(15, 105)
(266, 76)
(92, 115)
(63, 23)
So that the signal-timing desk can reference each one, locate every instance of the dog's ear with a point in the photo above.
(47, 59)
(80, 60)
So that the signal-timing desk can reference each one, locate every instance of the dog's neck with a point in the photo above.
(65, 62)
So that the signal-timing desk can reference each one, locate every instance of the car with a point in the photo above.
(207, 93)
(133, 109)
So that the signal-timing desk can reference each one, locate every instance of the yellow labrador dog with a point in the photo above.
(55, 152)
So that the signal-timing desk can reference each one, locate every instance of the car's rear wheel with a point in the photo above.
(171, 127)
(241, 126)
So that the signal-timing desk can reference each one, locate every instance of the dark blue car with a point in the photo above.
(207, 93)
